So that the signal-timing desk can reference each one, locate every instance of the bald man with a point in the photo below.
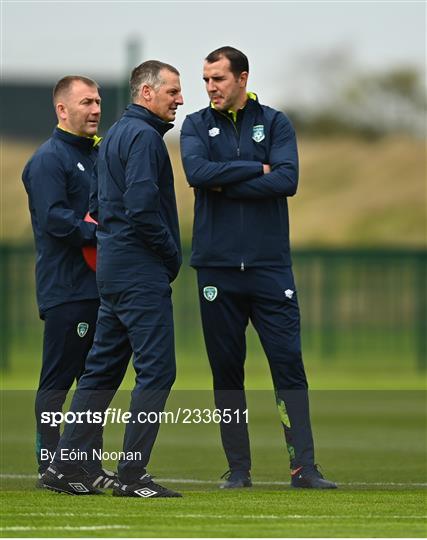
(57, 179)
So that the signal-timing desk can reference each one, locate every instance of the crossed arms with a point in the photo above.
(239, 179)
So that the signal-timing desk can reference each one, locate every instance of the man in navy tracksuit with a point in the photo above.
(241, 158)
(57, 179)
(139, 254)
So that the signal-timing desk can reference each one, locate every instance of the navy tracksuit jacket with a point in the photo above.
(139, 254)
(57, 179)
(138, 229)
(241, 252)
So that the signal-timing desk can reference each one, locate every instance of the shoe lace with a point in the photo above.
(308, 470)
(152, 484)
(226, 475)
(148, 481)
(317, 469)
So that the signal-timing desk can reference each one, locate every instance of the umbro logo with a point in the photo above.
(214, 132)
(80, 166)
(78, 487)
(289, 293)
(145, 492)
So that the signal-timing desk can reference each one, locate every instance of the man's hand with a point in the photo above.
(265, 168)
(217, 188)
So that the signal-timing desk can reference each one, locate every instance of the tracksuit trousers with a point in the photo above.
(136, 320)
(68, 336)
(229, 299)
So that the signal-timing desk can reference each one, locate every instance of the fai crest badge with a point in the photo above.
(210, 293)
(82, 329)
(258, 134)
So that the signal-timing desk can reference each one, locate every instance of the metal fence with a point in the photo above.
(354, 304)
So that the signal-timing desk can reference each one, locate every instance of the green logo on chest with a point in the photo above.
(258, 134)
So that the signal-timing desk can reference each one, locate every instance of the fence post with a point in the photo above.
(5, 327)
(329, 262)
(421, 310)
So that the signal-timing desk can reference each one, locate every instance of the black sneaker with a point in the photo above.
(77, 483)
(104, 479)
(145, 488)
(236, 480)
(310, 477)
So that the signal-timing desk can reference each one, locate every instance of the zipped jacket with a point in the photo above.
(138, 231)
(245, 224)
(57, 179)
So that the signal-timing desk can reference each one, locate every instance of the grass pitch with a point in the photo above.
(372, 443)
(256, 512)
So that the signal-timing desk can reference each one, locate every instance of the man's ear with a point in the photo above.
(243, 79)
(146, 92)
(61, 111)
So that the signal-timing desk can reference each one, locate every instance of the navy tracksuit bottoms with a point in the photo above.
(137, 320)
(68, 336)
(229, 299)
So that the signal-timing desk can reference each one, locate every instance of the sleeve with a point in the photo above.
(93, 197)
(203, 173)
(51, 204)
(282, 181)
(142, 197)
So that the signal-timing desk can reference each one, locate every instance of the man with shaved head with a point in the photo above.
(57, 179)
(77, 105)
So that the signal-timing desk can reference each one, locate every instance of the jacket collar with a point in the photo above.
(251, 104)
(138, 111)
(87, 143)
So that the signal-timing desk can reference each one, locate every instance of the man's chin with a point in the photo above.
(90, 132)
(221, 106)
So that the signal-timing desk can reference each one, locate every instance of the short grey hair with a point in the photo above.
(148, 73)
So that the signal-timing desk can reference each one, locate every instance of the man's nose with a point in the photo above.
(210, 86)
(179, 100)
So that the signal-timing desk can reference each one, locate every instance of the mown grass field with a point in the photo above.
(371, 442)
(208, 513)
(376, 366)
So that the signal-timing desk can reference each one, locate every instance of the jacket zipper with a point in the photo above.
(235, 130)
(242, 263)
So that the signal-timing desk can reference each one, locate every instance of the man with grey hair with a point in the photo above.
(139, 255)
